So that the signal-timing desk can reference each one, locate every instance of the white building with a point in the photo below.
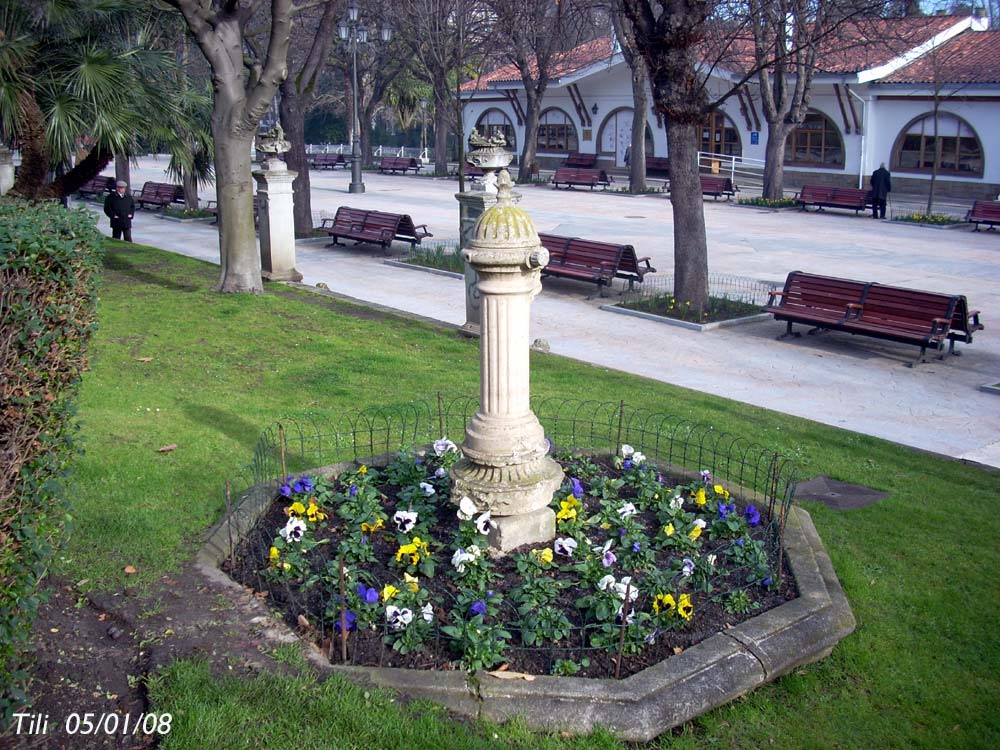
(871, 103)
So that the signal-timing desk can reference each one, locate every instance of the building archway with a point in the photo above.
(815, 143)
(495, 120)
(556, 132)
(615, 136)
(952, 146)
(720, 136)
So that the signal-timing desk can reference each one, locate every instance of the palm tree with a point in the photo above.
(70, 68)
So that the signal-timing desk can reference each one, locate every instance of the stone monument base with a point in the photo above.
(282, 275)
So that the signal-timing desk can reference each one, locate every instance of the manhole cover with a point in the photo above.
(838, 495)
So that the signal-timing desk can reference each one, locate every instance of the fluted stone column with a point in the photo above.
(506, 468)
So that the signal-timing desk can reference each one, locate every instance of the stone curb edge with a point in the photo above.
(685, 324)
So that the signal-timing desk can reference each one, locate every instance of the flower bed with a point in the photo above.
(719, 308)
(761, 202)
(938, 220)
(438, 257)
(641, 568)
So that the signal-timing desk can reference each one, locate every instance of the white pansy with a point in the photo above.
(688, 567)
(398, 618)
(564, 546)
(638, 458)
(443, 445)
(711, 560)
(676, 502)
(625, 584)
(439, 473)
(483, 523)
(605, 583)
(701, 523)
(293, 530)
(427, 488)
(405, 520)
(631, 615)
(427, 612)
(466, 509)
(475, 550)
(627, 450)
(460, 558)
(627, 511)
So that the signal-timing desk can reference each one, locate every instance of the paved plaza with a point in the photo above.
(855, 383)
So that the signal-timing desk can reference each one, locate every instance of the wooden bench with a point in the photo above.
(658, 166)
(578, 160)
(159, 194)
(328, 161)
(582, 260)
(372, 227)
(630, 267)
(212, 207)
(713, 185)
(570, 176)
(399, 164)
(984, 212)
(827, 196)
(97, 187)
(908, 316)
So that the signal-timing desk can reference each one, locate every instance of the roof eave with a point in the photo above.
(915, 53)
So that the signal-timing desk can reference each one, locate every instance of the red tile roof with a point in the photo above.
(971, 57)
(860, 45)
(563, 64)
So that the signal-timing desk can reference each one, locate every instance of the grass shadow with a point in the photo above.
(235, 428)
(113, 261)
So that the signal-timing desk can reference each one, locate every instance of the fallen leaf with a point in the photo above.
(304, 623)
(53, 630)
(167, 448)
(102, 617)
(143, 359)
(512, 675)
(677, 650)
(82, 582)
(130, 570)
(503, 667)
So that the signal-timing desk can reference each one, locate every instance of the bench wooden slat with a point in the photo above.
(571, 176)
(829, 196)
(377, 227)
(984, 212)
(399, 164)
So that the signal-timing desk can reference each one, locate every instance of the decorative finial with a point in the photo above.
(273, 142)
(504, 185)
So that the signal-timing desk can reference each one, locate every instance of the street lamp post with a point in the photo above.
(355, 33)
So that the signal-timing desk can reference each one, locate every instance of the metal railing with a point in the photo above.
(743, 171)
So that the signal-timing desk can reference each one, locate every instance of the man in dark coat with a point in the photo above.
(881, 187)
(120, 208)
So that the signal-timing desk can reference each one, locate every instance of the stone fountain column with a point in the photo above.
(506, 468)
(275, 211)
(6, 170)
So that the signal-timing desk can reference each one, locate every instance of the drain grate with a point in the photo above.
(838, 495)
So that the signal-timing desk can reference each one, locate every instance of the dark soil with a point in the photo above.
(91, 653)
(306, 609)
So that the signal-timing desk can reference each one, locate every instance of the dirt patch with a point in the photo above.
(334, 305)
(91, 653)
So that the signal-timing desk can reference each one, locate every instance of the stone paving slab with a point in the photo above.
(859, 384)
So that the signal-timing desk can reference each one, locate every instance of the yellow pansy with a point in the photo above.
(314, 512)
(363, 469)
(544, 555)
(296, 509)
(684, 607)
(567, 509)
(412, 582)
(695, 533)
(720, 490)
(408, 549)
(699, 497)
(669, 529)
(664, 601)
(273, 555)
(369, 528)
(388, 592)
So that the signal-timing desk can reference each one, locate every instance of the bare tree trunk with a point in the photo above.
(691, 265)
(529, 148)
(34, 169)
(637, 157)
(189, 182)
(774, 162)
(123, 169)
(441, 104)
(293, 119)
(937, 157)
(239, 256)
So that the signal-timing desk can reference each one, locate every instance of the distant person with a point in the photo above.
(120, 208)
(881, 187)
(628, 154)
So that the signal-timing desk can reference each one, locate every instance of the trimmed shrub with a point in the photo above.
(48, 256)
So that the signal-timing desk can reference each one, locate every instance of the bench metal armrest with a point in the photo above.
(771, 295)
(422, 229)
(854, 309)
(941, 326)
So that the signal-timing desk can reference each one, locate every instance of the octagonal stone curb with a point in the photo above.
(643, 706)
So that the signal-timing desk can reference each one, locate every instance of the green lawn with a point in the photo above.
(922, 670)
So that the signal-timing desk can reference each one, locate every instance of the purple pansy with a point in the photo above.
(752, 515)
(353, 492)
(608, 558)
(368, 595)
(627, 464)
(766, 583)
(350, 618)
(577, 488)
(636, 546)
(478, 607)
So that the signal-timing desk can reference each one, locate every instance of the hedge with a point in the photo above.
(48, 259)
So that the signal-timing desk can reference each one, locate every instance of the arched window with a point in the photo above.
(720, 136)
(952, 145)
(615, 136)
(556, 132)
(494, 121)
(815, 143)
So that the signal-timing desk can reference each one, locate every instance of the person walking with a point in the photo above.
(881, 187)
(120, 208)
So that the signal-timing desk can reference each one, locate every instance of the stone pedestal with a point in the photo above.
(277, 222)
(6, 170)
(506, 468)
